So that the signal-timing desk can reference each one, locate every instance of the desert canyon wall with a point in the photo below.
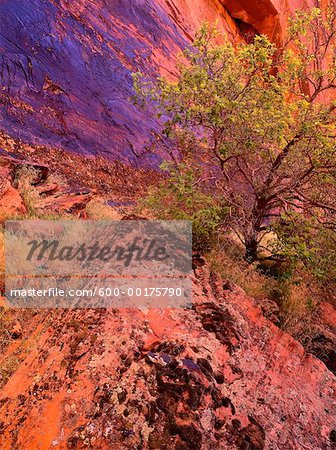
(65, 66)
(218, 376)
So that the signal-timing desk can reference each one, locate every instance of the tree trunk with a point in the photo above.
(251, 249)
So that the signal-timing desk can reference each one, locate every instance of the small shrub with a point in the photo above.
(294, 294)
(7, 369)
(227, 260)
(178, 198)
(26, 177)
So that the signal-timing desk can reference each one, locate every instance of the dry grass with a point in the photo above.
(295, 300)
(30, 196)
(297, 305)
(227, 261)
(96, 209)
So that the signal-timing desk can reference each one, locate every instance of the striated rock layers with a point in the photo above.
(65, 66)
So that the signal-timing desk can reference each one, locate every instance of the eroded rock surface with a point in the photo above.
(217, 376)
(65, 66)
(21, 177)
(65, 69)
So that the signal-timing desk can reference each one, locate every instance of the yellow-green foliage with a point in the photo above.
(179, 198)
(292, 295)
(264, 148)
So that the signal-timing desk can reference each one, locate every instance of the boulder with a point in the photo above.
(11, 202)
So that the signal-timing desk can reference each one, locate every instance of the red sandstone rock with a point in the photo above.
(13, 164)
(70, 200)
(218, 376)
(68, 79)
(11, 203)
(48, 188)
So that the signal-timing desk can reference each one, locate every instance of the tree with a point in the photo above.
(260, 120)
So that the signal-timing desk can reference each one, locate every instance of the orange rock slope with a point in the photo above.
(217, 376)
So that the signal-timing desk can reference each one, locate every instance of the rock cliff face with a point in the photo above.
(65, 66)
(217, 376)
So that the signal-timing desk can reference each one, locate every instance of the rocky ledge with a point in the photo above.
(219, 375)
